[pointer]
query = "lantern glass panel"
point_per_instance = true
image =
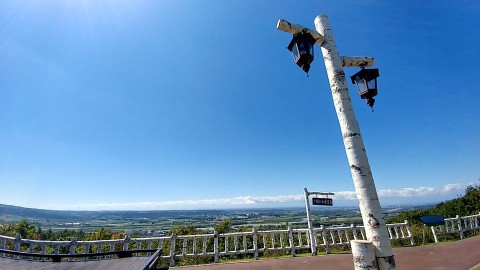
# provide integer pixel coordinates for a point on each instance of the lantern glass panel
(301, 48)
(360, 83)
(311, 48)
(372, 84)
(295, 53)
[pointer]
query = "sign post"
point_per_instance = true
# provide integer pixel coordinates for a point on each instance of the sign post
(315, 201)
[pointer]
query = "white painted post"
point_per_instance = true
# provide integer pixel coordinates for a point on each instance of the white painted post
(111, 249)
(173, 239)
(126, 241)
(363, 255)
(325, 239)
(184, 247)
(313, 242)
(434, 233)
(18, 241)
(73, 243)
(410, 234)
(370, 209)
(255, 244)
(215, 246)
(204, 246)
(30, 250)
(244, 243)
(460, 226)
(291, 241)
(354, 231)
(44, 250)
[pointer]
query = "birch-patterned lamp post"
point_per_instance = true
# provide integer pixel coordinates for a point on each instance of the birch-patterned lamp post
(375, 227)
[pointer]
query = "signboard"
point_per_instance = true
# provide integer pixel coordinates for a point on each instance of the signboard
(432, 220)
(322, 201)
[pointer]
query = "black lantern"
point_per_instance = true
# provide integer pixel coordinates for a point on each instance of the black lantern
(366, 82)
(301, 47)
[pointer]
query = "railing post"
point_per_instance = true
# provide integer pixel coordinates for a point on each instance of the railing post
(291, 241)
(434, 234)
(235, 244)
(354, 231)
(195, 252)
(44, 250)
(460, 226)
(126, 242)
(112, 248)
(4, 242)
(172, 249)
(410, 234)
(73, 243)
(57, 248)
(325, 239)
(18, 241)
(245, 242)
(100, 247)
(272, 236)
(31, 248)
(184, 246)
(255, 244)
(204, 246)
(227, 250)
(87, 250)
(477, 225)
(215, 246)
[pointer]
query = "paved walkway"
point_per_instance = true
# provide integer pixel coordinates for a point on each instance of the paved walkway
(458, 255)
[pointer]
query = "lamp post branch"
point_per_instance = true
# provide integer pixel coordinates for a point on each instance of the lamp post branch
(374, 224)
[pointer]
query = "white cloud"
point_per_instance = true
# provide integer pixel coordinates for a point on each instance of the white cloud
(346, 195)
(258, 201)
(452, 187)
(235, 201)
(406, 192)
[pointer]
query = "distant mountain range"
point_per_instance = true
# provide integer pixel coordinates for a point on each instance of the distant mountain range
(10, 212)
(31, 213)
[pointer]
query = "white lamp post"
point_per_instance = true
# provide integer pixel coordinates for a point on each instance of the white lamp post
(375, 227)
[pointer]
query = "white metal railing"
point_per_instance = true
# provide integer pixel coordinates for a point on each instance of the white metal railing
(458, 225)
(341, 236)
(213, 245)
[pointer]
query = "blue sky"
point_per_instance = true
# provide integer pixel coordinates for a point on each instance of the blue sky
(198, 104)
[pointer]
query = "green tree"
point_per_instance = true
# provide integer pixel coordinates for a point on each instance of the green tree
(99, 234)
(224, 226)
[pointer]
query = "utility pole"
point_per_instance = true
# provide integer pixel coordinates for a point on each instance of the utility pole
(375, 227)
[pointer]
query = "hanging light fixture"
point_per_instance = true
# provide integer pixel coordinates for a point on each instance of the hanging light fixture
(366, 82)
(301, 47)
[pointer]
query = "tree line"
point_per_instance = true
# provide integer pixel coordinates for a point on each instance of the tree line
(468, 204)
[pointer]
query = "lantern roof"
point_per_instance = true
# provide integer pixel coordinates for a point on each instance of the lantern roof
(300, 36)
(367, 74)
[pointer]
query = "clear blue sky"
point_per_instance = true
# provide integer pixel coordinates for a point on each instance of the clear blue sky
(198, 104)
